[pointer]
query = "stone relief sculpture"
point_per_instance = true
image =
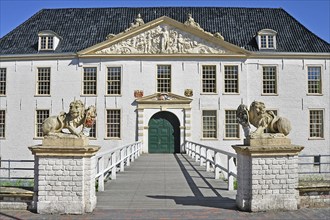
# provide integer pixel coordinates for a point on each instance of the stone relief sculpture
(163, 39)
(77, 117)
(263, 120)
(138, 21)
(191, 22)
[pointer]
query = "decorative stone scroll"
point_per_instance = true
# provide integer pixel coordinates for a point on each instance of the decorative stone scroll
(163, 39)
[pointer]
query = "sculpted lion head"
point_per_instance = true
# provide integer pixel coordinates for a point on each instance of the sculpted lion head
(257, 108)
(77, 109)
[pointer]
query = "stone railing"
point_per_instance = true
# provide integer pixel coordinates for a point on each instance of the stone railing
(220, 160)
(108, 162)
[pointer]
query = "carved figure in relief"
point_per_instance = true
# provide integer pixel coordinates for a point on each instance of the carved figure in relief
(76, 117)
(165, 39)
(263, 120)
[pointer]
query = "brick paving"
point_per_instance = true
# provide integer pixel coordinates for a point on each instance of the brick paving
(168, 186)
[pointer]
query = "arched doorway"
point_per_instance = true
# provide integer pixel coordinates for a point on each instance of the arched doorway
(164, 133)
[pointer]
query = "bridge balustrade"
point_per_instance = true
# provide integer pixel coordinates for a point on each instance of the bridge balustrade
(114, 160)
(221, 161)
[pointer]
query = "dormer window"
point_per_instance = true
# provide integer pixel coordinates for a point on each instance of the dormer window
(48, 40)
(266, 39)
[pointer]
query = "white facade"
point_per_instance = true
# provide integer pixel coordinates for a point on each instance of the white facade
(139, 72)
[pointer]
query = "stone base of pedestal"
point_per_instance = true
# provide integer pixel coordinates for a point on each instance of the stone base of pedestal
(64, 176)
(267, 175)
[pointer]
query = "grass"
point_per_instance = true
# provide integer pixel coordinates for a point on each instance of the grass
(17, 183)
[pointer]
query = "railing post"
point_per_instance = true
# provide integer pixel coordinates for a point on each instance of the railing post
(100, 168)
(230, 164)
(9, 169)
(132, 152)
(208, 159)
(198, 152)
(113, 164)
(216, 165)
(202, 155)
(128, 153)
(122, 163)
(193, 152)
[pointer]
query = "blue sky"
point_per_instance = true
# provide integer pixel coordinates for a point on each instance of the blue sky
(313, 14)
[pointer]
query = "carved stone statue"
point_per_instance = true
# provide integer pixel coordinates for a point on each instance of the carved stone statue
(138, 21)
(263, 120)
(75, 118)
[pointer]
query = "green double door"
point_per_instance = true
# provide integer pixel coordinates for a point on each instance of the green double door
(161, 136)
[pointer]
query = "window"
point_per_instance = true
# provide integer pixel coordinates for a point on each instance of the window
(269, 80)
(3, 81)
(41, 116)
(316, 124)
(314, 80)
(231, 79)
(2, 123)
(46, 43)
(317, 160)
(89, 81)
(163, 78)
(43, 81)
(92, 132)
(231, 125)
(114, 81)
(209, 82)
(266, 39)
(209, 119)
(113, 123)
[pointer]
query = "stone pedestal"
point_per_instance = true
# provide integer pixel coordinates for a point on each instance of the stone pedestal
(64, 175)
(267, 174)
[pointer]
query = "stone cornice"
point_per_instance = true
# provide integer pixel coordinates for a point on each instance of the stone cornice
(67, 151)
(289, 150)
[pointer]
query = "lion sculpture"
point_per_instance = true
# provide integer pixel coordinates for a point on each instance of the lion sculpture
(76, 117)
(262, 119)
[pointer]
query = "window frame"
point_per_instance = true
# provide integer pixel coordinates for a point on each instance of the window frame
(3, 83)
(215, 79)
(48, 44)
(225, 137)
(37, 81)
(107, 81)
(321, 80)
(276, 80)
(237, 81)
(4, 124)
(216, 132)
(157, 79)
(108, 137)
(83, 81)
(269, 43)
(36, 124)
(321, 137)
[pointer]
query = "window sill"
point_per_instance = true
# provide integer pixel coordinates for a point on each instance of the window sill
(42, 95)
(230, 93)
(112, 139)
(208, 93)
(316, 139)
(119, 95)
(92, 95)
(314, 94)
(270, 94)
(209, 139)
(231, 139)
(38, 138)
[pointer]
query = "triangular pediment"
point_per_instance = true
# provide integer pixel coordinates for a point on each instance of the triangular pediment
(164, 36)
(169, 98)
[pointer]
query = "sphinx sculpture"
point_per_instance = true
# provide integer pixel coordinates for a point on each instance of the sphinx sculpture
(263, 120)
(78, 121)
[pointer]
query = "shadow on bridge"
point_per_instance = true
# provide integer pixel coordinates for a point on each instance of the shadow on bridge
(166, 181)
(216, 201)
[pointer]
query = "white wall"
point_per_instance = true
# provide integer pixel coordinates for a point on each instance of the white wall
(292, 100)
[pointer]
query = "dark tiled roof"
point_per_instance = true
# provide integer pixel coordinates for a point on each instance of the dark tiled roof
(81, 28)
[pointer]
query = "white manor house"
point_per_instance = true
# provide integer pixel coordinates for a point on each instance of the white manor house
(163, 75)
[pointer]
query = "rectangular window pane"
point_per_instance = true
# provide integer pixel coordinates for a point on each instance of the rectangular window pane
(209, 79)
(113, 123)
(50, 42)
(89, 81)
(231, 125)
(209, 124)
(314, 80)
(164, 78)
(2, 123)
(263, 42)
(114, 81)
(231, 79)
(92, 132)
(270, 41)
(43, 42)
(41, 115)
(43, 82)
(269, 80)
(316, 124)
(3, 79)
